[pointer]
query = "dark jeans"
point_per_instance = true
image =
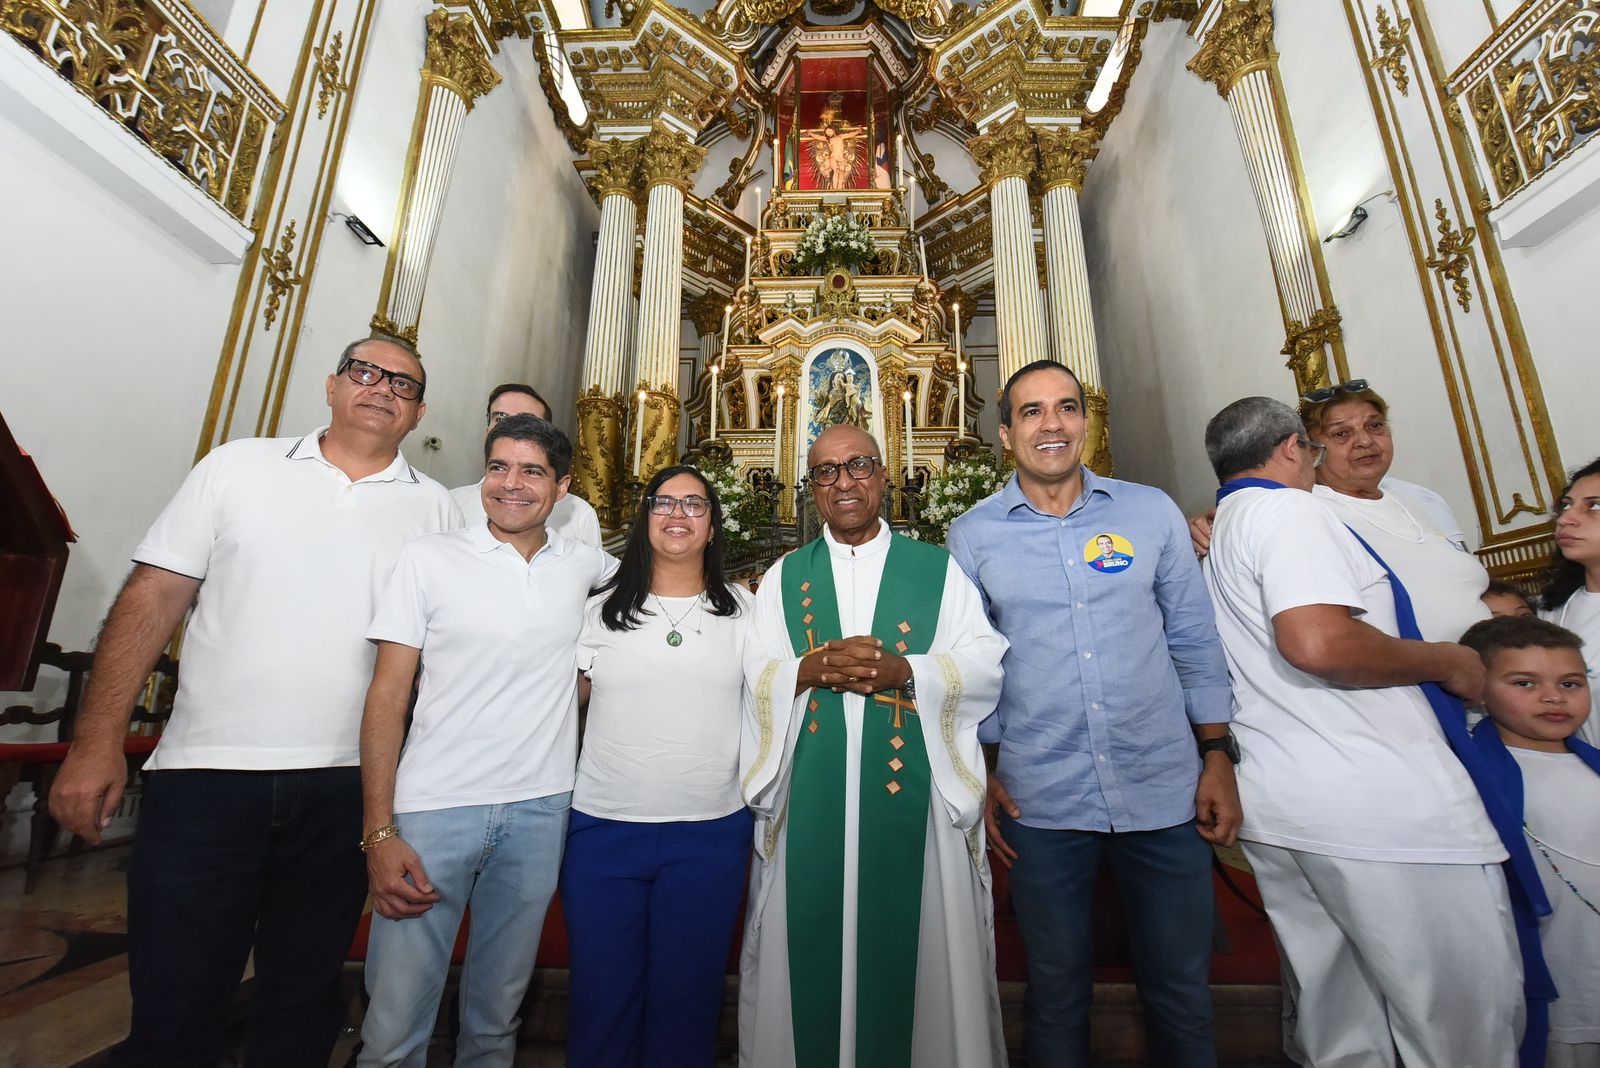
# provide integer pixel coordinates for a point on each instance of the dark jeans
(229, 861)
(1165, 881)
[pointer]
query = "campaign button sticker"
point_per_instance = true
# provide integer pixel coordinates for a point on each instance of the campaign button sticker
(1108, 553)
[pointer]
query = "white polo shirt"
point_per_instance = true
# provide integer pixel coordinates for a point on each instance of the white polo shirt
(571, 515)
(497, 708)
(291, 555)
(1363, 774)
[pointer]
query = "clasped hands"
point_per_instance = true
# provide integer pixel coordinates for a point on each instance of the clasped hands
(853, 665)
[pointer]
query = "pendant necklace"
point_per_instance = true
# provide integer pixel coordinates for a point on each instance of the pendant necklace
(674, 636)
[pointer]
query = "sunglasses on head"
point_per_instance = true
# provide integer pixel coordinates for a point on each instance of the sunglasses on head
(1327, 393)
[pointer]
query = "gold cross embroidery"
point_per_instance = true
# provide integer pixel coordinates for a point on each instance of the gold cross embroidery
(811, 642)
(899, 703)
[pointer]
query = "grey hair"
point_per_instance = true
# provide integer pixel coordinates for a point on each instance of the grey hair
(400, 343)
(530, 428)
(1242, 436)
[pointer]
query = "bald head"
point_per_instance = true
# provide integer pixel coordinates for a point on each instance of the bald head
(851, 439)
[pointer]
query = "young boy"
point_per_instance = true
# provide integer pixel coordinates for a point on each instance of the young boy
(1505, 599)
(1537, 696)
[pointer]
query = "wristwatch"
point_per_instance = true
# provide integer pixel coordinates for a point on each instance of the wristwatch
(1226, 744)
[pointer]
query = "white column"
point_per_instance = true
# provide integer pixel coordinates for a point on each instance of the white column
(1071, 309)
(1007, 157)
(605, 349)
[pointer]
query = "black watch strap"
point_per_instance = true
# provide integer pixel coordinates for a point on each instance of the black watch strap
(1226, 744)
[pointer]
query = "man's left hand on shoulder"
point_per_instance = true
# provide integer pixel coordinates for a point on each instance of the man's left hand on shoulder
(1217, 811)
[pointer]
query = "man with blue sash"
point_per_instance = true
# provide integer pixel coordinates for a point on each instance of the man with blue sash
(1376, 837)
(870, 933)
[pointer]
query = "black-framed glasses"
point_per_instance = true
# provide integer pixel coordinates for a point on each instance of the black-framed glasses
(860, 467)
(693, 507)
(1327, 393)
(370, 374)
(1319, 451)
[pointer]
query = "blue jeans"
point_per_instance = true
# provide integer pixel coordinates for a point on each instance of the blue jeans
(226, 862)
(1165, 880)
(500, 859)
(650, 911)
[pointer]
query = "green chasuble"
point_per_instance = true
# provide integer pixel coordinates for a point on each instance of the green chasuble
(892, 825)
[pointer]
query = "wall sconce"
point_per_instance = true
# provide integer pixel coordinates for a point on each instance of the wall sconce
(1355, 217)
(362, 231)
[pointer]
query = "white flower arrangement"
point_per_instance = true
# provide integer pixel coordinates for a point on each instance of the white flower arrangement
(840, 239)
(744, 512)
(952, 492)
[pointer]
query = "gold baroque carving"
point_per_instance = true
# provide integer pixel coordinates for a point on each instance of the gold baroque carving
(1391, 52)
(765, 12)
(1306, 346)
(1451, 261)
(705, 311)
(597, 451)
(329, 84)
(616, 167)
(457, 56)
(1007, 152)
(669, 156)
(934, 188)
(1239, 42)
(1097, 435)
(382, 324)
(280, 273)
(1064, 156)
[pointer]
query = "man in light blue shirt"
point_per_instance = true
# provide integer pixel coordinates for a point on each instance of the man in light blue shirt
(1115, 672)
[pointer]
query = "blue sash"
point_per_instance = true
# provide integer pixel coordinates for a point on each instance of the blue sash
(1528, 900)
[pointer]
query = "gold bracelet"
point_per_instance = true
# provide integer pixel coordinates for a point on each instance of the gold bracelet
(388, 830)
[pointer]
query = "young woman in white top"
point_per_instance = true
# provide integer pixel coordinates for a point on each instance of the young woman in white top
(1446, 583)
(659, 837)
(1572, 598)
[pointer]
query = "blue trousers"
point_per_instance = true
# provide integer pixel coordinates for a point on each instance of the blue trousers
(650, 913)
(1164, 878)
(226, 862)
(500, 859)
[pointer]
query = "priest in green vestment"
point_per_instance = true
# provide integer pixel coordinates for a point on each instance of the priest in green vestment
(870, 662)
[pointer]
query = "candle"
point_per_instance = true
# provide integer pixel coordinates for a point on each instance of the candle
(758, 207)
(777, 166)
(638, 437)
(906, 396)
(748, 243)
(961, 375)
(911, 202)
(900, 160)
(716, 397)
(922, 250)
(777, 436)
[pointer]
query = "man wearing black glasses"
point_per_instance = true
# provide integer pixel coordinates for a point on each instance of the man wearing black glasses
(252, 802)
(870, 663)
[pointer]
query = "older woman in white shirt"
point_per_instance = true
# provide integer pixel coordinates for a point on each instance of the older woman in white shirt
(659, 837)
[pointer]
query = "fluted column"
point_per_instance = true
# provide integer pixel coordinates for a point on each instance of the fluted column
(1063, 161)
(705, 312)
(1237, 56)
(1007, 158)
(456, 72)
(602, 411)
(668, 162)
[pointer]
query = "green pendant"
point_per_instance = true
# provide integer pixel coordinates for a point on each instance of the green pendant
(674, 639)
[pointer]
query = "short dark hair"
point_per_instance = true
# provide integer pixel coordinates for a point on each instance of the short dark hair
(1489, 636)
(515, 387)
(530, 428)
(1567, 577)
(1028, 369)
(1508, 589)
(1243, 435)
(410, 349)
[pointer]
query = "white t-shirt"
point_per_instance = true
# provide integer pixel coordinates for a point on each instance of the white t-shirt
(291, 555)
(497, 707)
(662, 739)
(1561, 806)
(1433, 509)
(572, 515)
(1446, 584)
(1363, 774)
(1581, 615)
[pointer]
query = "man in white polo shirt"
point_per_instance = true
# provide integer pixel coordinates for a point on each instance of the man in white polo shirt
(1377, 860)
(572, 515)
(252, 802)
(474, 810)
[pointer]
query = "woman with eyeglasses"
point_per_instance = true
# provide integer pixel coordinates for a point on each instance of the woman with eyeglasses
(1408, 525)
(659, 837)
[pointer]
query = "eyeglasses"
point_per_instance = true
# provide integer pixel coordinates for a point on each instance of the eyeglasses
(692, 507)
(370, 374)
(860, 467)
(1327, 393)
(1319, 451)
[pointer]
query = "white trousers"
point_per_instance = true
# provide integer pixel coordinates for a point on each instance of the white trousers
(1380, 958)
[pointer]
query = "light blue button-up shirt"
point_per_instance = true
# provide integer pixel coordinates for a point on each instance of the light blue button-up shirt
(1114, 654)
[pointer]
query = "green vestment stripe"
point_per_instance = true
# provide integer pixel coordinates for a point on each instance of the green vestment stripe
(892, 826)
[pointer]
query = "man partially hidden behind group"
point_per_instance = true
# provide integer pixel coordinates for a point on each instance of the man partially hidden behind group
(869, 938)
(252, 800)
